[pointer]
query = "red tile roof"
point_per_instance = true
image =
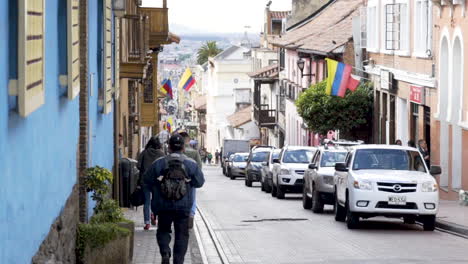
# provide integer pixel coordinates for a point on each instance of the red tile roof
(279, 14)
(241, 117)
(268, 72)
(329, 29)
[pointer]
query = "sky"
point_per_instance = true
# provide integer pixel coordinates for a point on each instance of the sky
(218, 16)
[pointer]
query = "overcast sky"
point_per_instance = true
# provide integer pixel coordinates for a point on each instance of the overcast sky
(219, 15)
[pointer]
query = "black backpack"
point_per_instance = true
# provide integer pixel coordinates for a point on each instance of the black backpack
(175, 181)
(137, 198)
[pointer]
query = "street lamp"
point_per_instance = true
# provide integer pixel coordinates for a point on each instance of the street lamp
(301, 65)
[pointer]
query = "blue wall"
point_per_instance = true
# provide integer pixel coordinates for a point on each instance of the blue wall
(38, 164)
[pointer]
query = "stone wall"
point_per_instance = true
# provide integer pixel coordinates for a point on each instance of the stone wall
(301, 9)
(59, 245)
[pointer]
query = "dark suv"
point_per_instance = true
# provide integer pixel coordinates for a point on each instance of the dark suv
(258, 155)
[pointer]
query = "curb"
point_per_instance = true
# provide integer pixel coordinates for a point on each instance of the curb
(452, 227)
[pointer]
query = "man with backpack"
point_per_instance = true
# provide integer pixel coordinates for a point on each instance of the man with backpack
(171, 180)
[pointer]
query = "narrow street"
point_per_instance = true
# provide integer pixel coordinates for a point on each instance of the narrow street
(253, 227)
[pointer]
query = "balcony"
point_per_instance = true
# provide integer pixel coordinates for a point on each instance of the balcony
(134, 47)
(158, 26)
(265, 116)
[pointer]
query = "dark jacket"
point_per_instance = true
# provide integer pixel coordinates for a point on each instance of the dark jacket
(158, 203)
(146, 158)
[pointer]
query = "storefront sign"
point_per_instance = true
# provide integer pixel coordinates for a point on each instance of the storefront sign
(417, 94)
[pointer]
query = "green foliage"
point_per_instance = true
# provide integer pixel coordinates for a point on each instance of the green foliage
(209, 49)
(323, 112)
(98, 180)
(97, 236)
(108, 211)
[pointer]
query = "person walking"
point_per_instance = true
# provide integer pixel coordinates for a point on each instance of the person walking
(411, 144)
(193, 154)
(422, 146)
(171, 180)
(210, 157)
(398, 142)
(217, 156)
(151, 153)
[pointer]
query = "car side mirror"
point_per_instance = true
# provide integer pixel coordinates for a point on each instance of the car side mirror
(435, 170)
(312, 166)
(264, 163)
(340, 166)
(276, 161)
(246, 159)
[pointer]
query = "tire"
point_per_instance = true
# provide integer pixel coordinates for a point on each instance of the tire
(231, 176)
(352, 219)
(306, 201)
(279, 192)
(248, 182)
(317, 203)
(340, 211)
(262, 186)
(409, 220)
(429, 222)
(273, 191)
(267, 187)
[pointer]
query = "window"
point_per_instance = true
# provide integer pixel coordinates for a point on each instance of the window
(298, 156)
(73, 39)
(330, 158)
(395, 21)
(117, 58)
(372, 27)
(388, 159)
(422, 27)
(107, 56)
(30, 84)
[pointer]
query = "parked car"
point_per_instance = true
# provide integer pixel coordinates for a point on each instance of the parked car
(382, 180)
(231, 146)
(238, 164)
(288, 170)
(318, 178)
(228, 164)
(257, 156)
(267, 171)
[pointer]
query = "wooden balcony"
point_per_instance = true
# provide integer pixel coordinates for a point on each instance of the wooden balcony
(158, 26)
(134, 47)
(264, 116)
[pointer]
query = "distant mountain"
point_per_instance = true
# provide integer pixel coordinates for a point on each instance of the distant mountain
(188, 33)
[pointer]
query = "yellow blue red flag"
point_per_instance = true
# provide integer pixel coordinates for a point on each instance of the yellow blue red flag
(187, 81)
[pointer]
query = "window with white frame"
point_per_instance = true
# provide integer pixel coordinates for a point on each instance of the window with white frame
(73, 39)
(107, 56)
(422, 27)
(372, 29)
(395, 26)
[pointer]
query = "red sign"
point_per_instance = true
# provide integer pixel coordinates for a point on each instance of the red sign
(417, 94)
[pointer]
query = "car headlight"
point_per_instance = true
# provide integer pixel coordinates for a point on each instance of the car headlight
(429, 186)
(285, 172)
(363, 185)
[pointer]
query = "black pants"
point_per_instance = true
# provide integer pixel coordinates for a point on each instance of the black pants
(181, 230)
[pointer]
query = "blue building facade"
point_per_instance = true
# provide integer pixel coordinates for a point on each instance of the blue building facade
(39, 146)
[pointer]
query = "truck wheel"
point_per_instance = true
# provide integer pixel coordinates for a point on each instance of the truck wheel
(429, 222)
(352, 219)
(306, 201)
(317, 203)
(340, 211)
(279, 192)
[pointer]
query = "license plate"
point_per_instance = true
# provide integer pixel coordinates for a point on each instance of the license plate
(397, 200)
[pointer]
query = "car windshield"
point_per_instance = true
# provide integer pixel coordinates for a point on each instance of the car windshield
(231, 157)
(275, 155)
(259, 156)
(239, 158)
(298, 156)
(329, 158)
(388, 159)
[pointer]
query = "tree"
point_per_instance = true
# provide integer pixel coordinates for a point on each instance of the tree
(209, 49)
(322, 112)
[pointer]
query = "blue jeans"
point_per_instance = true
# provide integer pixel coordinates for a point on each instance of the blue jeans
(146, 206)
(194, 205)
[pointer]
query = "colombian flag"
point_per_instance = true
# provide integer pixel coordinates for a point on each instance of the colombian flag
(187, 81)
(166, 87)
(340, 78)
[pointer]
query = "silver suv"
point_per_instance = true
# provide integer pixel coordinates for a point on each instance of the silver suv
(318, 178)
(267, 171)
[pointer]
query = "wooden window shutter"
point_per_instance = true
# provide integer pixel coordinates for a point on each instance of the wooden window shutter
(73, 38)
(117, 58)
(107, 56)
(30, 86)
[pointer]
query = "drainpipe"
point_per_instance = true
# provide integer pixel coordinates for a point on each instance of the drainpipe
(83, 112)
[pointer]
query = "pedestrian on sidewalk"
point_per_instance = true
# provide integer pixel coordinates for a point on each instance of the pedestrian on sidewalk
(151, 153)
(210, 157)
(217, 157)
(171, 180)
(411, 143)
(193, 154)
(422, 146)
(398, 142)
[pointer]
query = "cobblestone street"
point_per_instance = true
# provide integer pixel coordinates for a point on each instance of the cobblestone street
(253, 227)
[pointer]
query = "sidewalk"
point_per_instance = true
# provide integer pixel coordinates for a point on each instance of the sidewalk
(146, 250)
(453, 217)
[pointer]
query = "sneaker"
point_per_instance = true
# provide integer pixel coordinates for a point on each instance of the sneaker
(166, 259)
(147, 227)
(190, 221)
(153, 219)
